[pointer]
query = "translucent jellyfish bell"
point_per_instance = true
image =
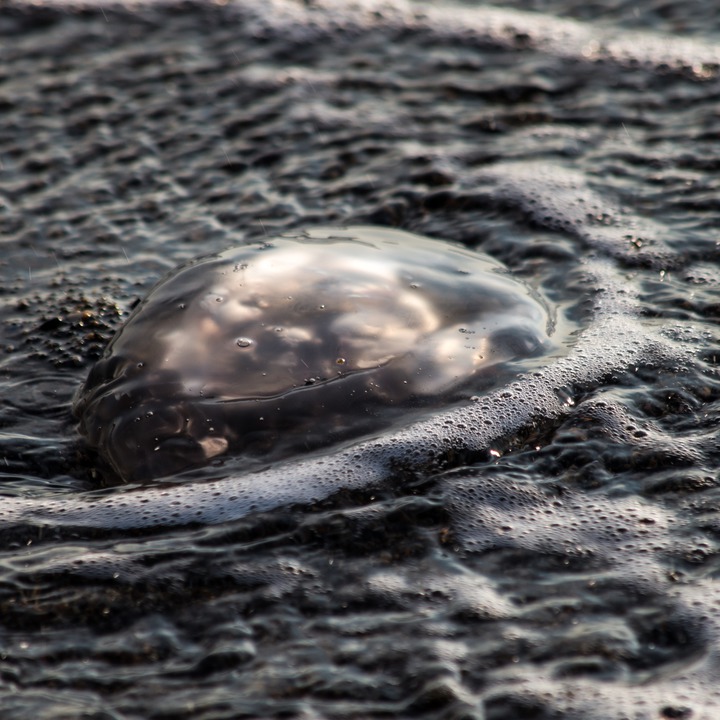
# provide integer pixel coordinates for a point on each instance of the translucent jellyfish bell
(287, 345)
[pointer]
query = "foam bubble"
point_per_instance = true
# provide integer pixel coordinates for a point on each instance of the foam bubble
(562, 37)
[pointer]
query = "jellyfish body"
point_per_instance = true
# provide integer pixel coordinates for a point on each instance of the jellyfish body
(294, 343)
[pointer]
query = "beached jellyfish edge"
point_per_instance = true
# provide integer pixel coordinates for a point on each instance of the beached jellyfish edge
(299, 342)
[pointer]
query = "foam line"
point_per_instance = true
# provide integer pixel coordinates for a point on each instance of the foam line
(480, 426)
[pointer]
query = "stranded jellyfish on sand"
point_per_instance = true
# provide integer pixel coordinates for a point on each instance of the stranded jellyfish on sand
(290, 344)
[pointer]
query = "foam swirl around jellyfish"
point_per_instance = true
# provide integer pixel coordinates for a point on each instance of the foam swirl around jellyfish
(271, 349)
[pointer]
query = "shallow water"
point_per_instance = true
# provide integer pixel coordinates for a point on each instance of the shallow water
(547, 549)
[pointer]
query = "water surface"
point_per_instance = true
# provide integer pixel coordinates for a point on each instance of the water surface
(544, 550)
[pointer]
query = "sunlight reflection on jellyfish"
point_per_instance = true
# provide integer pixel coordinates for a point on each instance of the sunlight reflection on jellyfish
(275, 348)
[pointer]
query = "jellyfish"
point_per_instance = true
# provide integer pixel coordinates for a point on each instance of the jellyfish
(300, 342)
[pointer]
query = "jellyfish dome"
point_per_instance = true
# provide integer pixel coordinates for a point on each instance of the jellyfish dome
(299, 342)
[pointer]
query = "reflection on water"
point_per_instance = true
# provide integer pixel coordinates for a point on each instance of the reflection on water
(545, 548)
